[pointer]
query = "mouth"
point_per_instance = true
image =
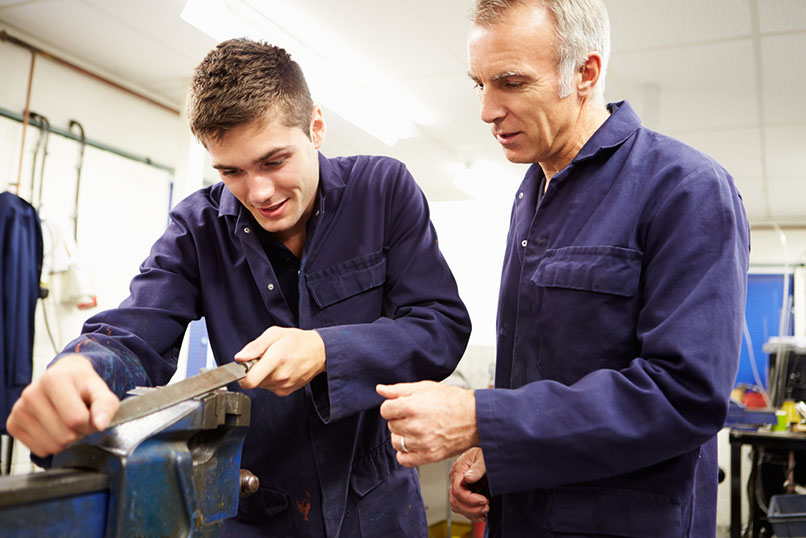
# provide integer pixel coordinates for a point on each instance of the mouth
(273, 211)
(505, 138)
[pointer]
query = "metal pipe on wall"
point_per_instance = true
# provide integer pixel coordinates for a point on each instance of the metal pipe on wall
(5, 36)
(89, 142)
(25, 118)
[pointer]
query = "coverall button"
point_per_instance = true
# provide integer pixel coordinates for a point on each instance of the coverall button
(270, 286)
(246, 229)
(520, 195)
(524, 243)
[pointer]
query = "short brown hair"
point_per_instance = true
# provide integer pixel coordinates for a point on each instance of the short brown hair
(243, 81)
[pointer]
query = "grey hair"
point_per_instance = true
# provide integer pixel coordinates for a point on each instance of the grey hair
(581, 27)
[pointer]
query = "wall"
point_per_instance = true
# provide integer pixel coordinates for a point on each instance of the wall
(123, 204)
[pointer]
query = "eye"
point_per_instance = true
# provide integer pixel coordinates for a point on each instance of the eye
(478, 86)
(229, 172)
(512, 85)
(274, 164)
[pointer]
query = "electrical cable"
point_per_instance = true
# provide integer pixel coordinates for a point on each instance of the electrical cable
(35, 158)
(47, 327)
(82, 142)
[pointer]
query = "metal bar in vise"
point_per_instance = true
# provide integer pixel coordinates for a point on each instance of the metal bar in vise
(164, 397)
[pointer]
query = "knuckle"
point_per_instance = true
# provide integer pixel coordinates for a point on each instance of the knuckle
(75, 420)
(247, 383)
(11, 426)
(65, 438)
(27, 398)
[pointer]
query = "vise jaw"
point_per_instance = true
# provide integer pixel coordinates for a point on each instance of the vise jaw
(175, 472)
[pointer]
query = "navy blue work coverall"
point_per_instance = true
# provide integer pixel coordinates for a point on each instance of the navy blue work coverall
(375, 286)
(20, 272)
(619, 327)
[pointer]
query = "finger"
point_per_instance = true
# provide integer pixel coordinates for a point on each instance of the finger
(398, 426)
(409, 459)
(259, 345)
(67, 398)
(402, 444)
(474, 512)
(400, 389)
(393, 410)
(468, 498)
(260, 372)
(25, 428)
(44, 413)
(459, 467)
(474, 515)
(460, 487)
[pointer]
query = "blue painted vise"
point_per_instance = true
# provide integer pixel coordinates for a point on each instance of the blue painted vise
(175, 472)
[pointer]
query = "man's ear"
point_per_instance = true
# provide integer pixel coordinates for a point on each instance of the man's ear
(589, 74)
(318, 127)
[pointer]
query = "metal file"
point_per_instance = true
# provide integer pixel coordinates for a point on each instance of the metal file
(168, 395)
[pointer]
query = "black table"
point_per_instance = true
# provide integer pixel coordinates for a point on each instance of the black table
(766, 439)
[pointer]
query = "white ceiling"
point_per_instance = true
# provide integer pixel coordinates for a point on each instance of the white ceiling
(726, 76)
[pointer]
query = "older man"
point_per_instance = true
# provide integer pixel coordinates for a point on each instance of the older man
(620, 306)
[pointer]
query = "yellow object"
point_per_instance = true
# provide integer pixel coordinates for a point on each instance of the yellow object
(459, 529)
(792, 416)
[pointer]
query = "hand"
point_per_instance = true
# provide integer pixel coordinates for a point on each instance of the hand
(434, 421)
(468, 469)
(69, 401)
(289, 359)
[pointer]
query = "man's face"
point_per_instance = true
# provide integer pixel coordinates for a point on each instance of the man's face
(514, 64)
(273, 170)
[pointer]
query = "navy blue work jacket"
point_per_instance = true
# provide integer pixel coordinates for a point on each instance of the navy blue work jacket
(20, 273)
(376, 287)
(619, 327)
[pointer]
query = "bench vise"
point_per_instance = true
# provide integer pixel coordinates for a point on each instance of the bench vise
(175, 472)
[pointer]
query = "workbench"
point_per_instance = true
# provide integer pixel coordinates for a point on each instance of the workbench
(783, 441)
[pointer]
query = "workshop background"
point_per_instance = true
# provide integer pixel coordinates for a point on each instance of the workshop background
(725, 76)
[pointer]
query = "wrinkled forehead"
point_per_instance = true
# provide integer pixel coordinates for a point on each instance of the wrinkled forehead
(512, 45)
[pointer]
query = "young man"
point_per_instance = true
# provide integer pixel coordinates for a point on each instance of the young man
(328, 270)
(620, 307)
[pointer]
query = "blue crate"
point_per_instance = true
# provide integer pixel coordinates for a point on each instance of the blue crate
(787, 514)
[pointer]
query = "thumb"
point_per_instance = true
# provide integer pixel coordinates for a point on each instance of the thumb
(102, 402)
(257, 347)
(471, 475)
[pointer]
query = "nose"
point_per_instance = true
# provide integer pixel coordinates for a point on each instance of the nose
(492, 109)
(261, 188)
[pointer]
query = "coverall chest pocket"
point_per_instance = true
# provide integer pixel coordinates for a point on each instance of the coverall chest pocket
(587, 308)
(350, 291)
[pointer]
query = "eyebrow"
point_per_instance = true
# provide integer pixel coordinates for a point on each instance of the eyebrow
(507, 74)
(499, 76)
(268, 155)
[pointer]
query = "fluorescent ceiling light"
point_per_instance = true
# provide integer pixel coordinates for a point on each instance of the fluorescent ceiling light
(355, 98)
